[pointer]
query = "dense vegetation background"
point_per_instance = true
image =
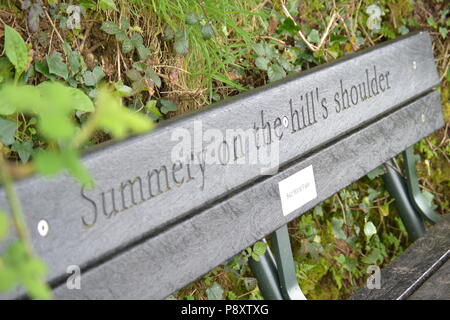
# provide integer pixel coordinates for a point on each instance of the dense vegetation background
(167, 57)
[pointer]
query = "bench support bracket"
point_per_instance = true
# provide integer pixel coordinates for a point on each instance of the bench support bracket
(395, 185)
(276, 273)
(417, 198)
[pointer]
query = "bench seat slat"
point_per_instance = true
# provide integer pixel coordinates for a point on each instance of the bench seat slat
(164, 263)
(412, 274)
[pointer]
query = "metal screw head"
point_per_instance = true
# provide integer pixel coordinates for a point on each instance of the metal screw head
(285, 122)
(414, 65)
(43, 227)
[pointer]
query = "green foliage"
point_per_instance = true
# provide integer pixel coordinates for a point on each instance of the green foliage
(51, 162)
(153, 110)
(7, 131)
(259, 249)
(23, 149)
(215, 292)
(369, 229)
(17, 266)
(117, 120)
(56, 66)
(16, 50)
(4, 222)
(181, 43)
(143, 77)
(167, 106)
(47, 113)
(108, 5)
(270, 60)
(92, 78)
(130, 37)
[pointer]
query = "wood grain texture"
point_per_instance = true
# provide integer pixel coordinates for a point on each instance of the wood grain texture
(407, 269)
(437, 287)
(59, 201)
(175, 257)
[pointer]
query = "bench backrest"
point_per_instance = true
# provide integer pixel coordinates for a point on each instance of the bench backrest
(154, 223)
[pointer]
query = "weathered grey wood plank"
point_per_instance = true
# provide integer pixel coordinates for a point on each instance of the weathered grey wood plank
(180, 254)
(398, 279)
(82, 232)
(437, 287)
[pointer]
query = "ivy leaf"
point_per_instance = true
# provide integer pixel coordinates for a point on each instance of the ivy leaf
(133, 74)
(140, 66)
(57, 66)
(191, 18)
(24, 149)
(91, 78)
(285, 64)
(168, 34)
(275, 72)
(16, 50)
(120, 36)
(336, 226)
(74, 62)
(259, 248)
(154, 77)
(73, 58)
(259, 49)
(167, 106)
(123, 90)
(110, 28)
(6, 69)
(98, 73)
(444, 32)
(4, 223)
(207, 31)
(374, 256)
(143, 52)
(378, 171)
(7, 131)
(369, 229)
(181, 44)
(42, 67)
(262, 63)
(215, 292)
(108, 4)
(137, 40)
(127, 45)
(313, 36)
(289, 26)
(403, 30)
(124, 23)
(153, 110)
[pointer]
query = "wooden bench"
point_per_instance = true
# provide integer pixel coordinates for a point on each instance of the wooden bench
(154, 224)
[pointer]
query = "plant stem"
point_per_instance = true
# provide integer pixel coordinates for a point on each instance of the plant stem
(86, 131)
(14, 203)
